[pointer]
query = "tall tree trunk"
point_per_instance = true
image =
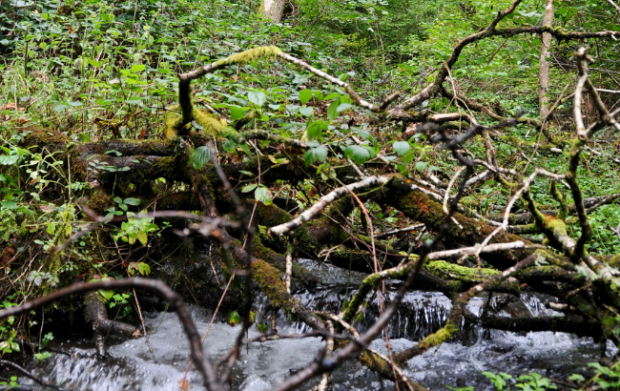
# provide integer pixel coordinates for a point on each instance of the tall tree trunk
(543, 74)
(273, 9)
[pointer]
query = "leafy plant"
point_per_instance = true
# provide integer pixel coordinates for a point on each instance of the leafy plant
(530, 382)
(608, 378)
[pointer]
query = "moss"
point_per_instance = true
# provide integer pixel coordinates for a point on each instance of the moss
(443, 269)
(555, 225)
(173, 120)
(559, 197)
(270, 215)
(278, 261)
(521, 144)
(613, 260)
(418, 206)
(212, 125)
(167, 167)
(99, 200)
(270, 280)
(438, 337)
(261, 52)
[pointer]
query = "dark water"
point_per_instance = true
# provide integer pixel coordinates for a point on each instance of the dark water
(457, 363)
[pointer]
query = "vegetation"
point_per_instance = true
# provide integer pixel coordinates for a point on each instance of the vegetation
(466, 147)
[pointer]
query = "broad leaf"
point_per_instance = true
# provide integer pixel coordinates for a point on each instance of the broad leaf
(263, 195)
(332, 110)
(359, 154)
(401, 147)
(201, 156)
(132, 201)
(305, 96)
(306, 111)
(343, 107)
(257, 97)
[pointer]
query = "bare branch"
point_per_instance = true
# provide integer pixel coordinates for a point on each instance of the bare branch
(326, 200)
(397, 231)
(617, 8)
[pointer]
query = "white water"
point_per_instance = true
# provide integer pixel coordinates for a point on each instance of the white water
(456, 363)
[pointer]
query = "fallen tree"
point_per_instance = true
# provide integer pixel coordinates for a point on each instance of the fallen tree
(260, 236)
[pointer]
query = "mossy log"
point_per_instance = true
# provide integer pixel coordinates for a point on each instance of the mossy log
(400, 194)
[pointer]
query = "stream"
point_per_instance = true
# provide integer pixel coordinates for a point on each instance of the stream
(458, 363)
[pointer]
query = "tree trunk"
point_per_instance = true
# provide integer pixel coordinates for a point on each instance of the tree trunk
(543, 74)
(274, 9)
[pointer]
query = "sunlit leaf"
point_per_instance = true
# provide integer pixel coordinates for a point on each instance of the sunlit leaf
(234, 318)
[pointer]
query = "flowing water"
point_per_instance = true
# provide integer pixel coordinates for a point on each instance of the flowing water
(459, 363)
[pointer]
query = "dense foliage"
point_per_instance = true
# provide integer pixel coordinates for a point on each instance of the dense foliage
(91, 71)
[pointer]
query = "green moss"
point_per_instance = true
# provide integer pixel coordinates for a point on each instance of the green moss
(213, 125)
(278, 261)
(555, 225)
(99, 200)
(166, 167)
(261, 52)
(438, 337)
(613, 260)
(446, 270)
(270, 215)
(559, 197)
(270, 280)
(174, 120)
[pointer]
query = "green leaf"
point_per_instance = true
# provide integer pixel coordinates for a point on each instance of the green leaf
(143, 238)
(421, 166)
(315, 129)
(107, 294)
(576, 377)
(137, 68)
(234, 318)
(257, 97)
(236, 112)
(264, 195)
(132, 201)
(343, 107)
(358, 154)
(10, 205)
(305, 96)
(249, 188)
(333, 95)
(60, 108)
(144, 269)
(332, 110)
(201, 156)
(306, 111)
(263, 328)
(318, 154)
(401, 147)
(8, 160)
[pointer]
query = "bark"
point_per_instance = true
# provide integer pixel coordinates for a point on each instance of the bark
(102, 326)
(543, 74)
(415, 204)
(274, 9)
